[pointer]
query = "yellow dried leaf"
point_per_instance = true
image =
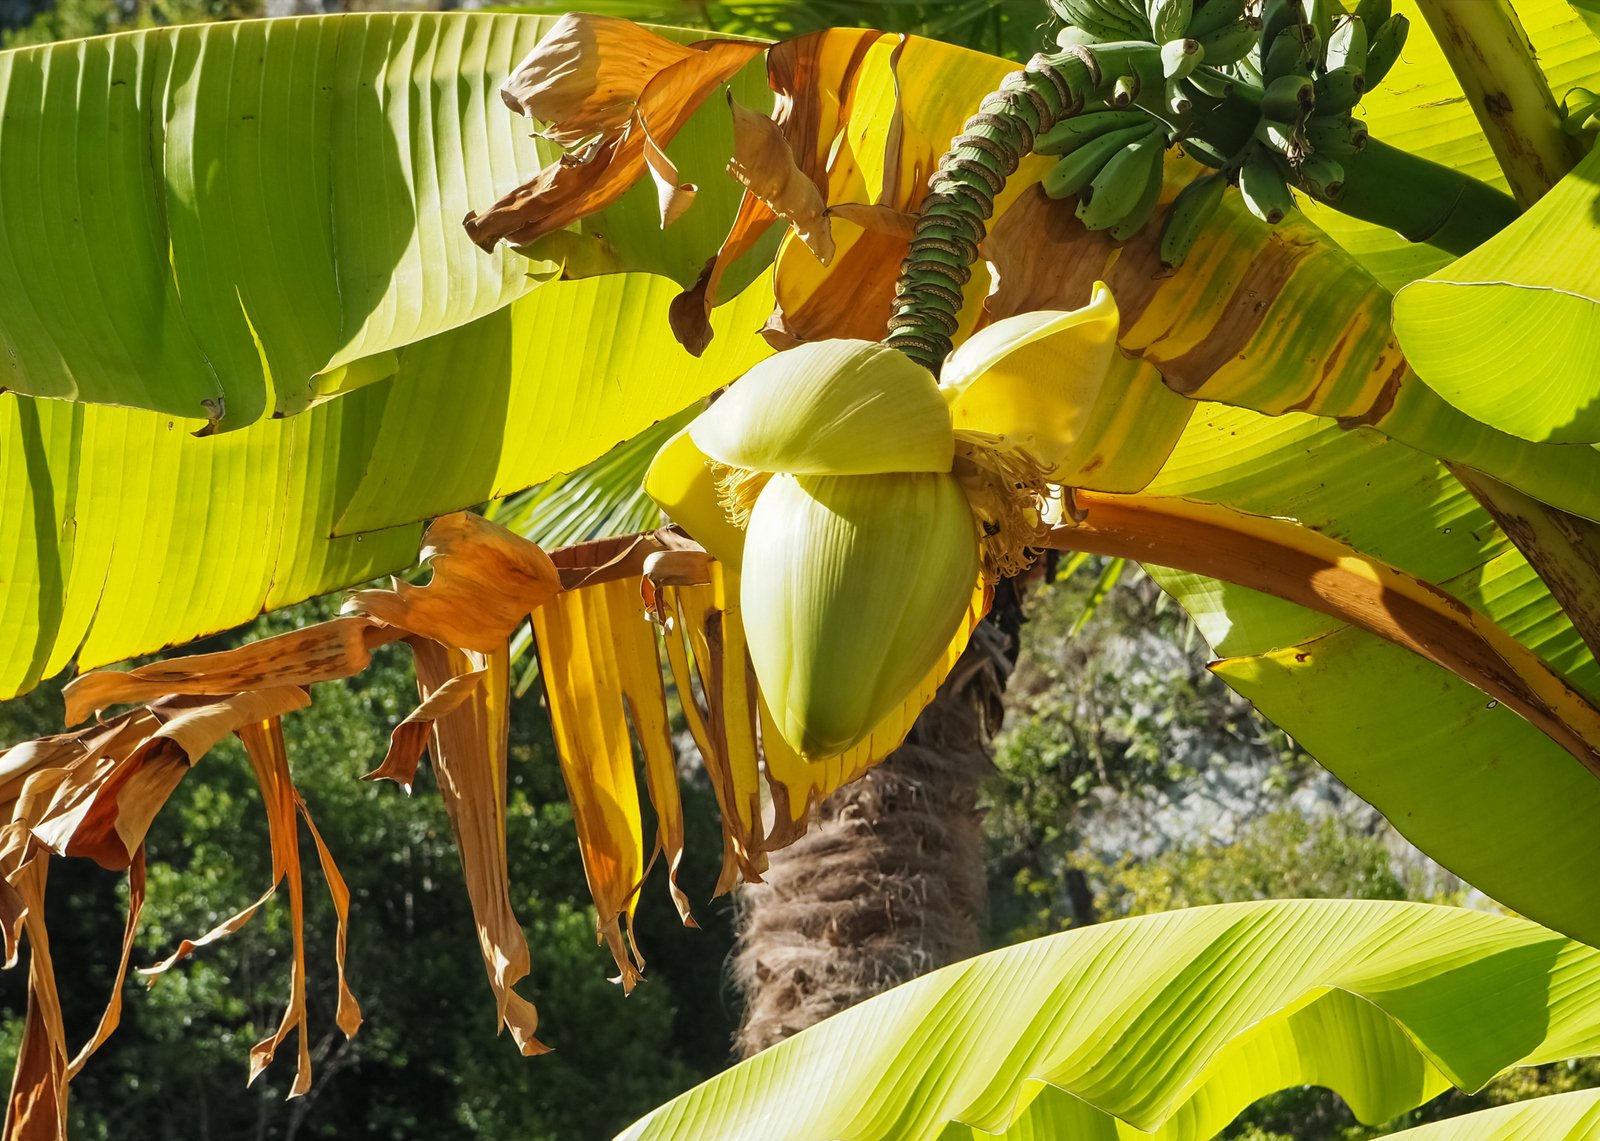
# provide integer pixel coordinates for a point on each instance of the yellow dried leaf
(577, 633)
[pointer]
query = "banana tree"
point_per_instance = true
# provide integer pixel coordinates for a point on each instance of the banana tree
(279, 198)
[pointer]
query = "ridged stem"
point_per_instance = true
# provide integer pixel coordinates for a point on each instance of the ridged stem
(1495, 65)
(1421, 200)
(960, 200)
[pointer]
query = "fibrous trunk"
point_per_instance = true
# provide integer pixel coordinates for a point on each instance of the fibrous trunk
(888, 882)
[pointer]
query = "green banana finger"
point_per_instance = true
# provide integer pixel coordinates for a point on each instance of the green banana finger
(1205, 151)
(1075, 171)
(1115, 191)
(1212, 16)
(1320, 14)
(1144, 206)
(1214, 83)
(1336, 136)
(1374, 12)
(1169, 19)
(1231, 43)
(1188, 215)
(1347, 46)
(1340, 90)
(1125, 91)
(1070, 134)
(1383, 48)
(1278, 16)
(1091, 18)
(1288, 98)
(1286, 54)
(1281, 137)
(1265, 193)
(1179, 101)
(1180, 57)
(1322, 176)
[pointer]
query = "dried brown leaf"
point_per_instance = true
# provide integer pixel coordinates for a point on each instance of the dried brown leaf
(469, 760)
(586, 75)
(486, 580)
(329, 650)
(581, 183)
(765, 165)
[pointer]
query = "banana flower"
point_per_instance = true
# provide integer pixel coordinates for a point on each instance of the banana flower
(860, 500)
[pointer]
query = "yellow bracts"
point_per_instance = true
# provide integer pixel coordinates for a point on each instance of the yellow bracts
(859, 499)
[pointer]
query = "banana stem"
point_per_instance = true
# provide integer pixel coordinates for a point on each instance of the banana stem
(973, 172)
(1494, 63)
(1423, 201)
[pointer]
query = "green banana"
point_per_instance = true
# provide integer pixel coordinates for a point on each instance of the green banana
(1340, 90)
(1383, 48)
(1281, 137)
(1205, 151)
(1374, 12)
(1277, 16)
(1076, 170)
(1322, 176)
(1263, 188)
(1125, 91)
(1094, 19)
(1212, 16)
(1169, 19)
(1288, 98)
(1336, 136)
(1115, 191)
(1231, 43)
(1179, 101)
(1070, 134)
(1347, 46)
(1213, 83)
(1180, 57)
(1286, 55)
(1320, 15)
(1188, 215)
(1144, 206)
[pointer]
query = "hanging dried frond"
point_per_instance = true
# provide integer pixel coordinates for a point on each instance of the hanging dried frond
(613, 621)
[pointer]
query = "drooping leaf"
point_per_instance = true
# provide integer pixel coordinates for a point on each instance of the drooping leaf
(1169, 1023)
(1422, 745)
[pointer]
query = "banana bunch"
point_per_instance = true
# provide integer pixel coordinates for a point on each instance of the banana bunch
(1308, 67)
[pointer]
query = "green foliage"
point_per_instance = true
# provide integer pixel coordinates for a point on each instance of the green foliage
(426, 1062)
(73, 19)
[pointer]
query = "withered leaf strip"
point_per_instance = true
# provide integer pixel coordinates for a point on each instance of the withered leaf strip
(622, 92)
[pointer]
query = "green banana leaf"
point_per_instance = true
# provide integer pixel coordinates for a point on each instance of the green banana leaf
(1510, 332)
(124, 532)
(1169, 1024)
(221, 221)
(1564, 1117)
(1470, 782)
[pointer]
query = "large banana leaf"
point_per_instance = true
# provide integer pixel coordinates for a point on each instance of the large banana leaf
(124, 532)
(213, 221)
(1427, 748)
(1169, 1024)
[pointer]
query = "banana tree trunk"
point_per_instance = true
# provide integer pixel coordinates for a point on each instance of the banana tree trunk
(888, 883)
